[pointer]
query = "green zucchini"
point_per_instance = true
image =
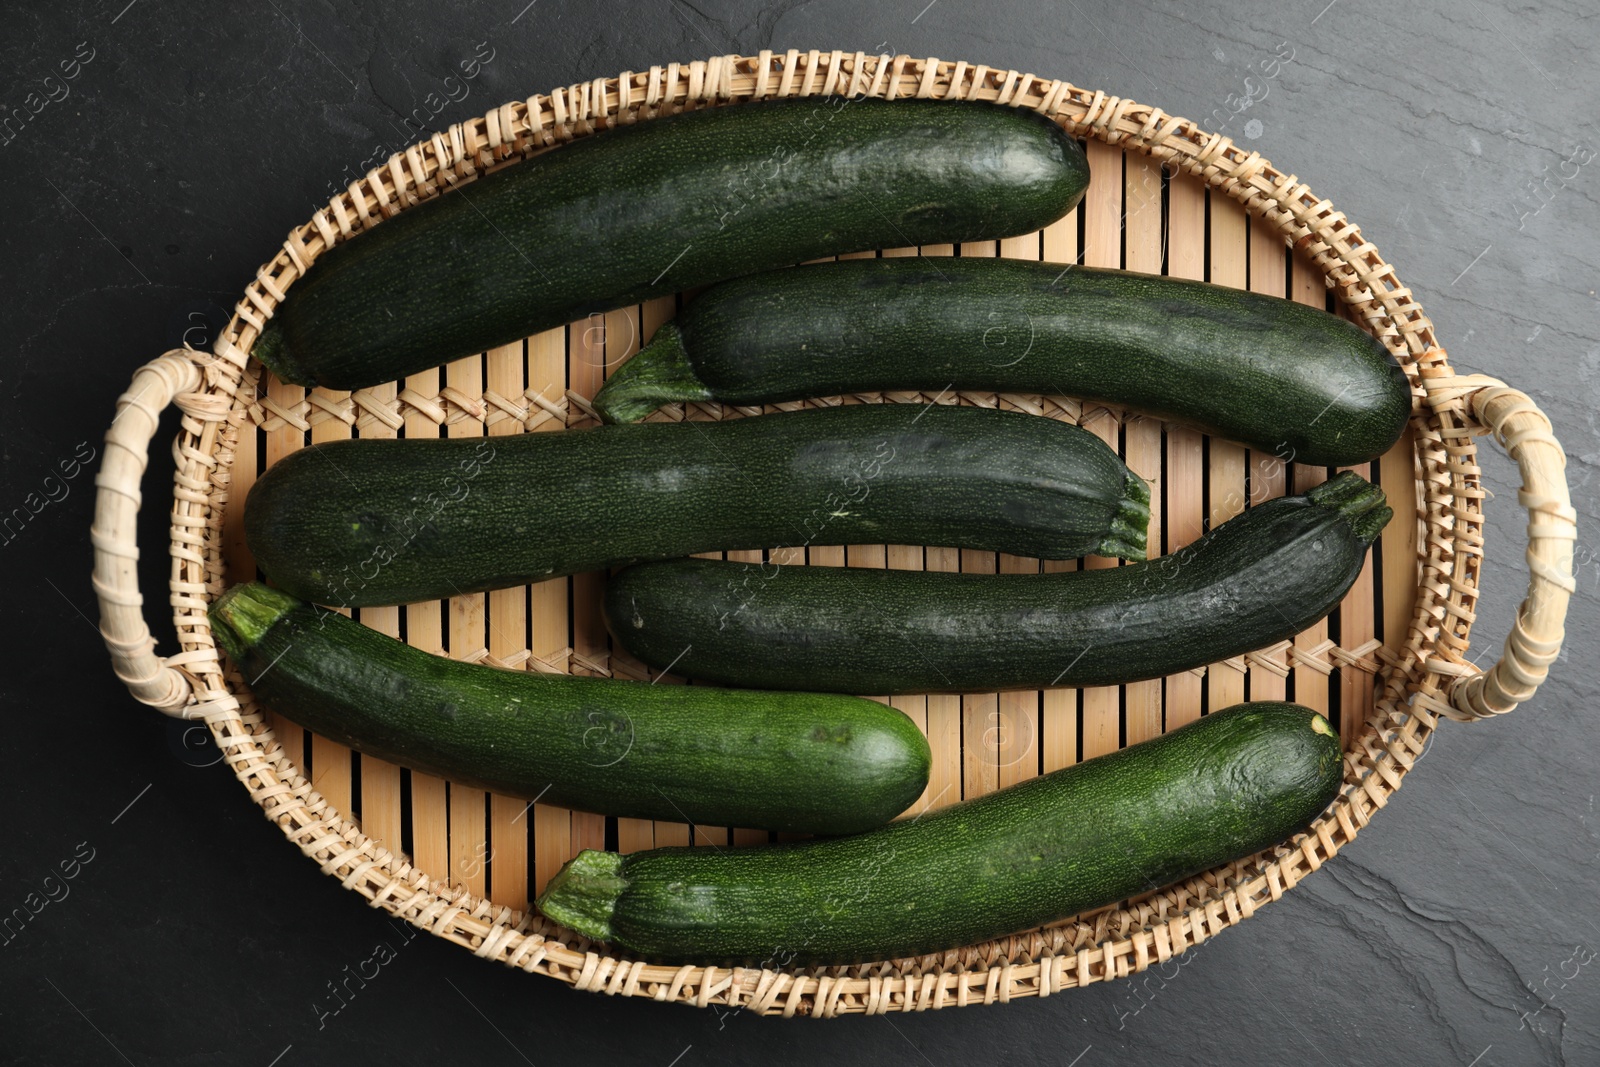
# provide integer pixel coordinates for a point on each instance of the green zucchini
(1219, 789)
(782, 761)
(1257, 579)
(362, 522)
(1274, 374)
(660, 206)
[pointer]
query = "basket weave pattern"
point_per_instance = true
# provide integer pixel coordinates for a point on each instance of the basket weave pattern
(1417, 680)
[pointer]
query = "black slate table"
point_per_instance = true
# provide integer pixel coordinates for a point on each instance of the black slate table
(174, 144)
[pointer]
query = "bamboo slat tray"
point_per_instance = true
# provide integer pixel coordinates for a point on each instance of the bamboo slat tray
(1165, 196)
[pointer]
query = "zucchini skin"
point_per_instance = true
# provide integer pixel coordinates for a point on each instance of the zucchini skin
(354, 523)
(659, 206)
(1218, 789)
(1274, 374)
(1254, 580)
(778, 761)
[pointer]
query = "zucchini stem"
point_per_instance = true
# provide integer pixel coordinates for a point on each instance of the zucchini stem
(660, 373)
(1128, 537)
(584, 893)
(1363, 504)
(243, 615)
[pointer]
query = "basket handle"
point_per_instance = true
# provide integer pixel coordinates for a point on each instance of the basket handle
(1535, 640)
(150, 678)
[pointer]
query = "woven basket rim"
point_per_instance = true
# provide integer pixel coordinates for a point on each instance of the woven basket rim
(1413, 684)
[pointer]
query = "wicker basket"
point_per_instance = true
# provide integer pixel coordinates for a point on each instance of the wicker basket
(1387, 665)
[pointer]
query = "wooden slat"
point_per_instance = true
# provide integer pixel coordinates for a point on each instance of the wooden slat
(1141, 435)
(825, 555)
(1058, 707)
(1184, 509)
(1102, 207)
(875, 556)
(1017, 712)
(280, 443)
(635, 835)
(1025, 246)
(1016, 739)
(469, 844)
(1102, 247)
(787, 556)
(1059, 240)
(1268, 467)
(980, 712)
(547, 612)
(505, 374)
(430, 826)
(330, 761)
(1310, 685)
(944, 738)
(508, 842)
(588, 354)
(1229, 255)
(380, 779)
(552, 832)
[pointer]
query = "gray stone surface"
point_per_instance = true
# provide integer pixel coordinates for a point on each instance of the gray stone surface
(1459, 929)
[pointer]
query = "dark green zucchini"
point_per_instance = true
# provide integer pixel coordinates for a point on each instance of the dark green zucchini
(1225, 787)
(384, 522)
(1274, 374)
(1254, 580)
(659, 206)
(782, 761)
